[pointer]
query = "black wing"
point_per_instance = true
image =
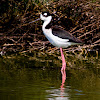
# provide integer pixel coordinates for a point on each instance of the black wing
(57, 31)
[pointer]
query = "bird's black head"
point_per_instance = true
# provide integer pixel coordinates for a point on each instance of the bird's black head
(46, 14)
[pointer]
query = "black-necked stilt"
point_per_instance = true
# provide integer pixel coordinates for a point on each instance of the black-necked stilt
(57, 36)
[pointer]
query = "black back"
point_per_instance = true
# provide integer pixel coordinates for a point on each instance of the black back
(57, 31)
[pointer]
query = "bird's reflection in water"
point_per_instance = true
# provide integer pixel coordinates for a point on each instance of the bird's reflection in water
(63, 72)
(60, 93)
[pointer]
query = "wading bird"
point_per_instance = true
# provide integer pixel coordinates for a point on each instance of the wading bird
(57, 36)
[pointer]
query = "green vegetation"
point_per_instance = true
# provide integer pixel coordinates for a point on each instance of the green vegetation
(51, 60)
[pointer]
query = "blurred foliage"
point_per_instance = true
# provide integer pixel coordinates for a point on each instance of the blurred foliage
(79, 17)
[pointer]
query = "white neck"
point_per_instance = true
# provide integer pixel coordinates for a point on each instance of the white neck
(46, 22)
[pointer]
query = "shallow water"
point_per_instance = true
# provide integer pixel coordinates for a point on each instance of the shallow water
(49, 83)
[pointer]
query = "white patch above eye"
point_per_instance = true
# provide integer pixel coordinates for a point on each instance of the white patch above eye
(45, 14)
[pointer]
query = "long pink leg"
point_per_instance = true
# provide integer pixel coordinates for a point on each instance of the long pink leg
(63, 60)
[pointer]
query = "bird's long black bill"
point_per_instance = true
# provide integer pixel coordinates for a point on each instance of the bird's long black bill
(34, 21)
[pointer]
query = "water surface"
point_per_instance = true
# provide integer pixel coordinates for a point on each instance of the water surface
(48, 83)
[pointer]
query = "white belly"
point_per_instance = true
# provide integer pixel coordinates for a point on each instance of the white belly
(56, 41)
